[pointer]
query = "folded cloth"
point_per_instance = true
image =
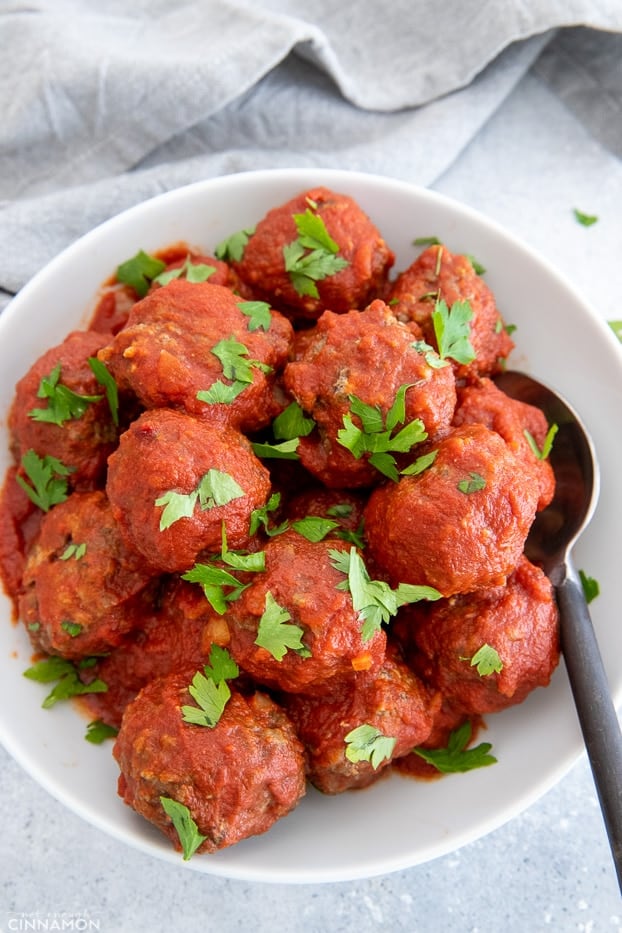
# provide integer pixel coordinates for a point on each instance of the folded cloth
(107, 103)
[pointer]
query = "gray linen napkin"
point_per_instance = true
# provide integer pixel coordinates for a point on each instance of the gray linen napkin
(104, 104)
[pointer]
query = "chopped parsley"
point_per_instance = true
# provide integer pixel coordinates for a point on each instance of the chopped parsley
(210, 689)
(219, 585)
(233, 246)
(292, 423)
(258, 313)
(98, 731)
(420, 464)
(313, 255)
(187, 830)
(591, 586)
(77, 551)
(48, 479)
(236, 366)
(67, 676)
(191, 271)
(616, 327)
(426, 241)
(586, 220)
(314, 527)
(366, 743)
(106, 381)
(285, 450)
(276, 633)
(452, 329)
(478, 268)
(72, 628)
(543, 453)
(139, 272)
(63, 404)
(376, 437)
(374, 600)
(456, 757)
(260, 517)
(215, 488)
(474, 483)
(487, 661)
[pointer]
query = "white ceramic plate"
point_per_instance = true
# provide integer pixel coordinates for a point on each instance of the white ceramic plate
(399, 822)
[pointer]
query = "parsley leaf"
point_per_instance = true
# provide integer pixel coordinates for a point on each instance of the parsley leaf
(63, 403)
(474, 483)
(376, 438)
(139, 271)
(67, 674)
(292, 423)
(312, 256)
(548, 442)
(616, 327)
(285, 450)
(98, 731)
(77, 551)
(214, 488)
(478, 268)
(276, 634)
(366, 743)
(235, 366)
(48, 484)
(452, 330)
(106, 381)
(260, 517)
(258, 314)
(586, 220)
(191, 271)
(187, 830)
(233, 246)
(72, 628)
(457, 757)
(487, 661)
(216, 580)
(591, 586)
(426, 241)
(420, 464)
(210, 689)
(374, 600)
(314, 527)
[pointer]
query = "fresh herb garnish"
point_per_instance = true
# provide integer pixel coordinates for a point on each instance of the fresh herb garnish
(72, 628)
(292, 423)
(233, 246)
(77, 551)
(139, 271)
(48, 479)
(420, 464)
(63, 404)
(375, 437)
(210, 689)
(452, 330)
(191, 271)
(67, 674)
(487, 661)
(285, 450)
(374, 600)
(258, 314)
(543, 453)
(478, 268)
(219, 585)
(214, 488)
(591, 586)
(474, 483)
(187, 830)
(313, 255)
(277, 634)
(106, 381)
(236, 366)
(98, 731)
(426, 241)
(457, 757)
(260, 517)
(366, 743)
(616, 327)
(586, 220)
(314, 527)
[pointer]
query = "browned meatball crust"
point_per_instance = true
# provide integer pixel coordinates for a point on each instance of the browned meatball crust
(460, 524)
(81, 582)
(187, 338)
(236, 778)
(359, 245)
(174, 480)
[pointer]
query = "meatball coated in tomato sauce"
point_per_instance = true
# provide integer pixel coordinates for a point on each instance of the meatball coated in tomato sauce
(519, 621)
(175, 633)
(362, 253)
(301, 580)
(174, 480)
(393, 701)
(439, 274)
(81, 434)
(187, 338)
(371, 356)
(484, 403)
(82, 585)
(236, 778)
(461, 523)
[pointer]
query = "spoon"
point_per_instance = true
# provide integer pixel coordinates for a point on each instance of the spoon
(552, 536)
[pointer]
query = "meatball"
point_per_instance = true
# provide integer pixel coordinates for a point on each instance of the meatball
(174, 480)
(175, 633)
(519, 621)
(368, 355)
(302, 590)
(276, 261)
(81, 584)
(393, 701)
(484, 403)
(439, 274)
(236, 779)
(461, 523)
(186, 339)
(46, 416)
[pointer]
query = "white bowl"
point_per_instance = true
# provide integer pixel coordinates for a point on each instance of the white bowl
(399, 822)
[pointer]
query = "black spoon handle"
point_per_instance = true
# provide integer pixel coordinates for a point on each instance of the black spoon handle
(595, 709)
